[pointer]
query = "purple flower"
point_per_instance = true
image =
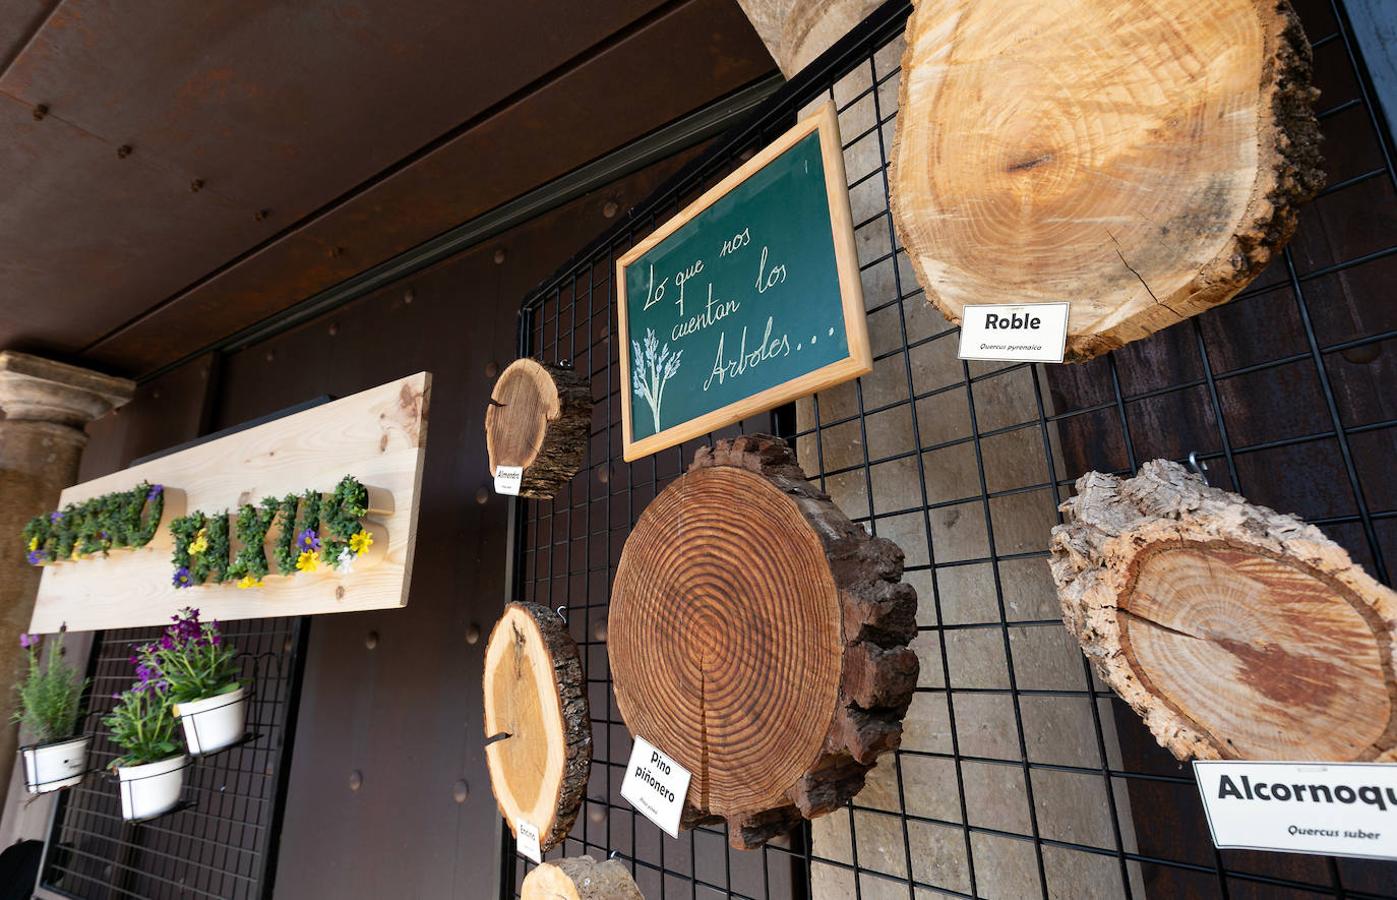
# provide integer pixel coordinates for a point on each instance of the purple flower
(181, 579)
(309, 540)
(35, 557)
(155, 491)
(167, 643)
(55, 516)
(145, 673)
(27, 640)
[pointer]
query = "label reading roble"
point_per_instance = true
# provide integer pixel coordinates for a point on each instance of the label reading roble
(507, 479)
(528, 841)
(656, 785)
(1028, 332)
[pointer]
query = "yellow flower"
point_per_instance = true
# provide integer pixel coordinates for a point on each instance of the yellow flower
(247, 581)
(34, 543)
(308, 561)
(200, 542)
(361, 542)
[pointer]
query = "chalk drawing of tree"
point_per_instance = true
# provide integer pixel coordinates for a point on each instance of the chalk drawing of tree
(650, 371)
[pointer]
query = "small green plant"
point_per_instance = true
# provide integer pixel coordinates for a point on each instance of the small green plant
(50, 694)
(119, 519)
(143, 725)
(191, 661)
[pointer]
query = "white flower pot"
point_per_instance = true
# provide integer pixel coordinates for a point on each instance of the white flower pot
(151, 789)
(214, 722)
(58, 764)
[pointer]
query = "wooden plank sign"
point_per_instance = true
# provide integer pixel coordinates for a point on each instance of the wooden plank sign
(378, 436)
(747, 299)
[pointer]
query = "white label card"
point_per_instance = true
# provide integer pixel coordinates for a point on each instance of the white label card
(528, 841)
(1337, 809)
(507, 479)
(1028, 332)
(656, 785)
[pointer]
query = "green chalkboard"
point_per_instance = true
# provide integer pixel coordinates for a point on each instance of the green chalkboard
(747, 299)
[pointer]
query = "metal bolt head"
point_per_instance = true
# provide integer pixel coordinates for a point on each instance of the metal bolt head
(499, 256)
(270, 355)
(356, 780)
(41, 112)
(123, 151)
(196, 185)
(492, 369)
(599, 631)
(460, 791)
(473, 634)
(408, 295)
(610, 209)
(261, 214)
(482, 495)
(333, 330)
(371, 640)
(596, 814)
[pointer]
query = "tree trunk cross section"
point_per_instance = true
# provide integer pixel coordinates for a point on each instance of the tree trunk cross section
(760, 638)
(1234, 631)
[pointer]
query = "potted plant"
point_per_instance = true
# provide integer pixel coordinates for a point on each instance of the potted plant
(201, 671)
(48, 711)
(151, 771)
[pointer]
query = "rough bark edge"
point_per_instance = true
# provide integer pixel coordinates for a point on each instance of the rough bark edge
(577, 724)
(592, 880)
(1165, 503)
(879, 671)
(565, 435)
(1290, 140)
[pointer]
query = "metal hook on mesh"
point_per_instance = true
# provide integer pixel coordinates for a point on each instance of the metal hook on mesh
(615, 854)
(1197, 466)
(562, 612)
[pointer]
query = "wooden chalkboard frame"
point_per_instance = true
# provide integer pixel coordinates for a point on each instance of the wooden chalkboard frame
(859, 360)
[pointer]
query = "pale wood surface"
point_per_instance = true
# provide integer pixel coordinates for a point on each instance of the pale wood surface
(1235, 632)
(797, 31)
(580, 878)
(378, 435)
(759, 638)
(860, 359)
(1141, 160)
(536, 700)
(538, 419)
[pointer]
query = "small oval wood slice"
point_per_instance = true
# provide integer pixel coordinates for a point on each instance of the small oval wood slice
(538, 420)
(580, 878)
(1142, 159)
(535, 697)
(760, 638)
(1236, 632)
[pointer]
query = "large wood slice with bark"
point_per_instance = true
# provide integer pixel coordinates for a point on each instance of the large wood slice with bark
(580, 878)
(1142, 159)
(797, 31)
(760, 638)
(537, 726)
(538, 420)
(1234, 631)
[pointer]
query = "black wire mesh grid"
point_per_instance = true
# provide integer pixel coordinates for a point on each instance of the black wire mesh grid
(220, 841)
(982, 800)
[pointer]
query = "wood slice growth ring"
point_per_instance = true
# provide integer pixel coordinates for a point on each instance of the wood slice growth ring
(580, 878)
(760, 638)
(1142, 159)
(1234, 631)
(537, 726)
(538, 419)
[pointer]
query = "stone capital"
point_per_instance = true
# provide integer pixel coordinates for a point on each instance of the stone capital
(36, 389)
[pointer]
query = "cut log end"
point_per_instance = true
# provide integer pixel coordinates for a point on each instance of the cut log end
(760, 638)
(1235, 632)
(537, 420)
(1200, 150)
(580, 878)
(537, 724)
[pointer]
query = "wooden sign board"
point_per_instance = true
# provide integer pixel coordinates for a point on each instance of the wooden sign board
(747, 299)
(378, 436)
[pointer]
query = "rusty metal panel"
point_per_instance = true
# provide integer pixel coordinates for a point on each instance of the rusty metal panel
(698, 51)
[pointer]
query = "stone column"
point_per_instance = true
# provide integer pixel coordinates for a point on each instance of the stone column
(46, 406)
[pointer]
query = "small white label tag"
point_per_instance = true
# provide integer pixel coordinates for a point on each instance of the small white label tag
(1028, 332)
(1337, 809)
(507, 479)
(656, 785)
(528, 841)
